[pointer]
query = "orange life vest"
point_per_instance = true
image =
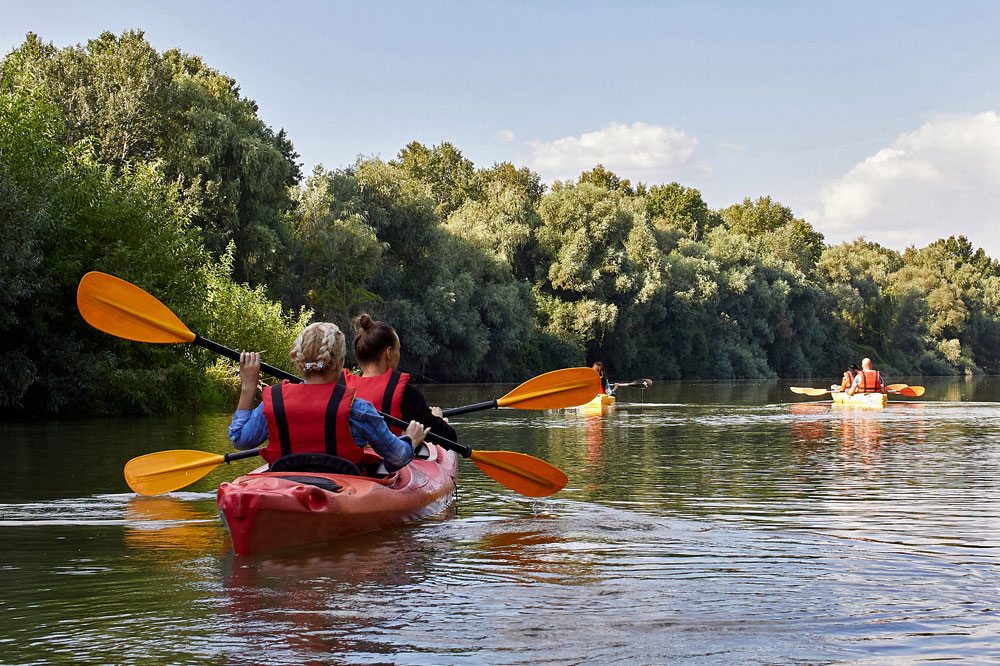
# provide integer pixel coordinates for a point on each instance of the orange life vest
(309, 418)
(871, 381)
(385, 391)
(847, 381)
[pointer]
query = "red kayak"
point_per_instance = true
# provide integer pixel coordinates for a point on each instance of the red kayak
(268, 511)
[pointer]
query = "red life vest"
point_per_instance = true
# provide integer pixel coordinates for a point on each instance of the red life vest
(309, 418)
(871, 381)
(385, 391)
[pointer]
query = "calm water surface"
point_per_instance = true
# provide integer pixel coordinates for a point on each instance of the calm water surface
(704, 523)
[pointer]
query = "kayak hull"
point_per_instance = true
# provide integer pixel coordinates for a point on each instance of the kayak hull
(868, 400)
(600, 404)
(269, 511)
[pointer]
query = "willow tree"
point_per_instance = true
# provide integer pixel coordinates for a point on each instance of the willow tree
(958, 288)
(589, 278)
(859, 277)
(134, 106)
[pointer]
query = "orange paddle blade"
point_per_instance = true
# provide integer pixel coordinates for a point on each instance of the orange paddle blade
(520, 472)
(122, 309)
(896, 387)
(165, 471)
(568, 387)
(912, 391)
(809, 391)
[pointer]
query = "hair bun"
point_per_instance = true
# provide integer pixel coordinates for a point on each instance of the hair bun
(364, 321)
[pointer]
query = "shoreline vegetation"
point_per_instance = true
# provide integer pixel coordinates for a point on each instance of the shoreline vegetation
(153, 167)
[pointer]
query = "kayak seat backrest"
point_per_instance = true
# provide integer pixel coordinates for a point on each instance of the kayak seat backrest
(318, 481)
(314, 462)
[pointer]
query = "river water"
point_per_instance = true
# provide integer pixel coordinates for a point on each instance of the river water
(703, 523)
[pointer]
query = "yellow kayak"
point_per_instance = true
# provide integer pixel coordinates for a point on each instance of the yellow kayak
(599, 404)
(870, 400)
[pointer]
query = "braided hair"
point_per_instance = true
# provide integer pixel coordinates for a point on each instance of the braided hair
(318, 347)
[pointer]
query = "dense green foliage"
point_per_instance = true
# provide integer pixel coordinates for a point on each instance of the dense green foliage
(151, 166)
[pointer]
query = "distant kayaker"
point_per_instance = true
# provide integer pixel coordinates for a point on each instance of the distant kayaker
(867, 380)
(376, 349)
(849, 376)
(609, 388)
(321, 415)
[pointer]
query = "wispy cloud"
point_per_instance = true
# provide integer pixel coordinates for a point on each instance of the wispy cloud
(505, 136)
(639, 151)
(941, 180)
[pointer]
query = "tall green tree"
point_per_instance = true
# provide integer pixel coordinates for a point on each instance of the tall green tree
(136, 106)
(451, 177)
(674, 206)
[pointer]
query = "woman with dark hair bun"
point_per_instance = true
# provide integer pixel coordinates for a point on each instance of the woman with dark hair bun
(376, 349)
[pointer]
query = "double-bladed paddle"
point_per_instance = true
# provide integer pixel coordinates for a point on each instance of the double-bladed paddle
(644, 383)
(568, 387)
(901, 389)
(809, 391)
(122, 309)
(166, 471)
(906, 389)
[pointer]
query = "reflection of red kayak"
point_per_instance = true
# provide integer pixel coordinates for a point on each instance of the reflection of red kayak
(269, 511)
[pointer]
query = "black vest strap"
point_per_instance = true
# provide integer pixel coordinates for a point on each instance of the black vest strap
(281, 419)
(390, 388)
(330, 425)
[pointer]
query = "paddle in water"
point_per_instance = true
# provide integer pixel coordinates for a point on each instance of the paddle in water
(122, 309)
(643, 383)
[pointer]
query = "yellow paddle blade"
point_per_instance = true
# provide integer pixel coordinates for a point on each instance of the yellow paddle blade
(809, 391)
(568, 387)
(896, 387)
(520, 472)
(122, 309)
(164, 471)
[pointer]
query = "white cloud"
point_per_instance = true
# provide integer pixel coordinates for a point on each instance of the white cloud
(505, 136)
(640, 151)
(941, 180)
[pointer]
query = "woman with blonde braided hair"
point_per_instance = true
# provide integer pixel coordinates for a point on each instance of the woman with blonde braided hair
(319, 417)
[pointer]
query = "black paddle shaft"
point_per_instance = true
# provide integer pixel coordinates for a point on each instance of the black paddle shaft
(489, 404)
(235, 355)
(461, 449)
(240, 455)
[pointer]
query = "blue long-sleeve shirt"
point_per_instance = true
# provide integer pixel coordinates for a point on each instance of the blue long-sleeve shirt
(249, 429)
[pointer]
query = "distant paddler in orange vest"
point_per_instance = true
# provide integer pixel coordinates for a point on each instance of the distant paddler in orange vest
(868, 380)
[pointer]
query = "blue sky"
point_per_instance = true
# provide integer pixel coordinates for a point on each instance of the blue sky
(866, 118)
